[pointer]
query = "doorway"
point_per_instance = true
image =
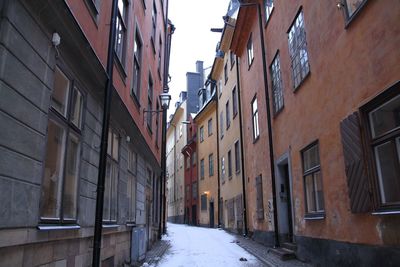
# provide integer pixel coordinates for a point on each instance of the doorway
(194, 215)
(211, 214)
(284, 202)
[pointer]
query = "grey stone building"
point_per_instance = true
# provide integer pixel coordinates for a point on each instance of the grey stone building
(51, 117)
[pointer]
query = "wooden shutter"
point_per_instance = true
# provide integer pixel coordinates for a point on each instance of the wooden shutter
(260, 205)
(357, 179)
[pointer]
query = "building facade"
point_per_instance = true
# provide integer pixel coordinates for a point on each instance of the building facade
(191, 182)
(331, 80)
(207, 164)
(54, 56)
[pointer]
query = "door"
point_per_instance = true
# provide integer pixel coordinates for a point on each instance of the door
(288, 201)
(194, 215)
(211, 214)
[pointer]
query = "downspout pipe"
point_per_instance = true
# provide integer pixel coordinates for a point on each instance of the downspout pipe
(104, 139)
(219, 205)
(241, 149)
(270, 139)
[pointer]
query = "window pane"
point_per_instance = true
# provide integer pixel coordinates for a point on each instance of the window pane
(388, 171)
(53, 171)
(109, 142)
(319, 196)
(115, 146)
(386, 117)
(107, 192)
(310, 193)
(71, 178)
(77, 105)
(114, 188)
(311, 158)
(59, 98)
(121, 7)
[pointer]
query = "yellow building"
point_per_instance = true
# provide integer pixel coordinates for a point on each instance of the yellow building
(232, 194)
(206, 121)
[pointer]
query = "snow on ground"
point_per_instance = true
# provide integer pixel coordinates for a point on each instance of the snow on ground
(197, 246)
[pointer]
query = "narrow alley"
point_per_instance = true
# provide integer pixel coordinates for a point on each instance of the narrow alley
(186, 245)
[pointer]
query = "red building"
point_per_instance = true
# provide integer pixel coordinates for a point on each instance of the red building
(191, 185)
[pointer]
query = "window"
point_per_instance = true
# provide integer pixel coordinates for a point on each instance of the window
(180, 130)
(154, 23)
(228, 115)
(352, 6)
(232, 58)
(250, 51)
(234, 102)
(221, 123)
(298, 50)
(237, 157)
(194, 190)
(157, 126)
(159, 58)
(312, 180)
(254, 111)
(383, 119)
(229, 164)
(223, 168)
(201, 134)
(61, 170)
(210, 129)
(277, 88)
(268, 6)
(211, 165)
(226, 72)
(150, 103)
(204, 202)
(259, 198)
(131, 190)
(121, 29)
(137, 61)
(111, 178)
(202, 168)
(94, 8)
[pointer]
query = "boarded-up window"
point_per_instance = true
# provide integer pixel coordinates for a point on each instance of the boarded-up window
(231, 210)
(259, 200)
(357, 180)
(239, 211)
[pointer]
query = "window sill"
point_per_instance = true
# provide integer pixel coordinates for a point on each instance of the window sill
(110, 226)
(58, 227)
(135, 100)
(350, 19)
(234, 115)
(386, 212)
(269, 18)
(295, 89)
(256, 139)
(131, 224)
(278, 112)
(251, 64)
(315, 216)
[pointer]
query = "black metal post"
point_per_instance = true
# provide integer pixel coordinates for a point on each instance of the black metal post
(163, 169)
(104, 139)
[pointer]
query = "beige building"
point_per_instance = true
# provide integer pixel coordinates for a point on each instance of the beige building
(224, 72)
(176, 140)
(207, 163)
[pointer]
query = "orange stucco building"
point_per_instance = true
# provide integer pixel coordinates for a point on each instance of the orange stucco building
(330, 74)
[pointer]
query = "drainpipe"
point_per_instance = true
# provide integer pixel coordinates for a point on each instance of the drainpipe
(104, 139)
(270, 139)
(241, 149)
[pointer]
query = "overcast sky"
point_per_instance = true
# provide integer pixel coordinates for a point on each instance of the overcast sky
(192, 39)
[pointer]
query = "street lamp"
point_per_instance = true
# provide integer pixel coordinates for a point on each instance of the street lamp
(165, 99)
